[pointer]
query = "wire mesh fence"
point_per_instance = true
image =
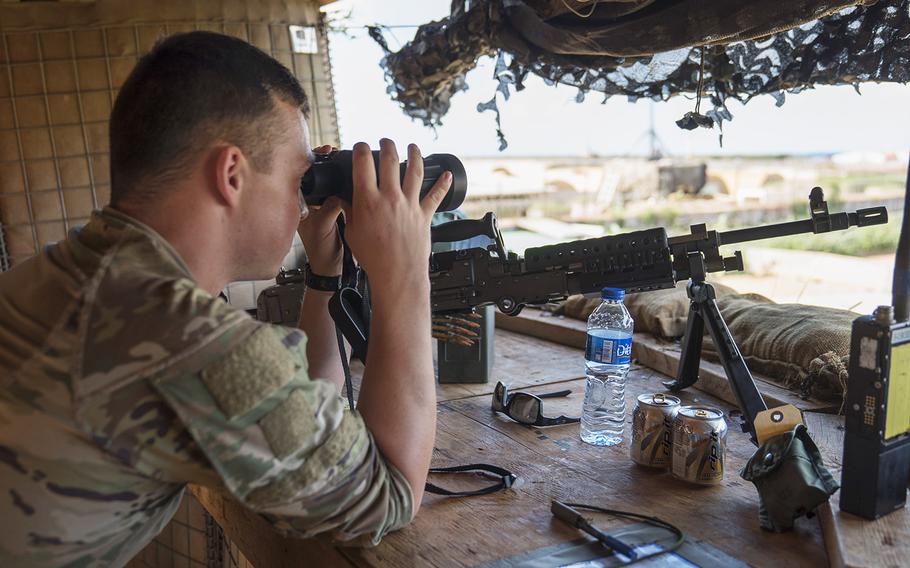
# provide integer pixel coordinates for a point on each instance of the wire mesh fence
(191, 540)
(57, 88)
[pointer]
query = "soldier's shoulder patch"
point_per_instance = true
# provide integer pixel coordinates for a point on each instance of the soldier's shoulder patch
(250, 372)
(290, 425)
(338, 455)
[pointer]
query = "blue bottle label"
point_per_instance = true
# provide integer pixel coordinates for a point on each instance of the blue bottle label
(610, 351)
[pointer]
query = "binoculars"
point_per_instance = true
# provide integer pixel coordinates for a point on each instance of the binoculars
(331, 175)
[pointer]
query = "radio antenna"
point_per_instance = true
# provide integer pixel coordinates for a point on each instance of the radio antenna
(900, 292)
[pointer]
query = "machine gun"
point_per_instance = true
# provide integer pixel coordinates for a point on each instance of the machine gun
(637, 261)
(462, 280)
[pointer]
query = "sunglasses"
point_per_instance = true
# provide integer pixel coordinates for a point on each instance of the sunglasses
(527, 408)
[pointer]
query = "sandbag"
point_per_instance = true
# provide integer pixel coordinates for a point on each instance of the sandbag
(806, 348)
(661, 313)
(577, 307)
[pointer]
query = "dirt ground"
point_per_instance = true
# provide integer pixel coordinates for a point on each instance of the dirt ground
(817, 278)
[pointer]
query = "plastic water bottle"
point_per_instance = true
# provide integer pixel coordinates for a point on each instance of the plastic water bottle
(608, 356)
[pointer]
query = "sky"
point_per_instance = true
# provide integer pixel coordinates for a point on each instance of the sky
(545, 120)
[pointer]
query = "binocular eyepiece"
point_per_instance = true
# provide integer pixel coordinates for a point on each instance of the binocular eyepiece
(332, 175)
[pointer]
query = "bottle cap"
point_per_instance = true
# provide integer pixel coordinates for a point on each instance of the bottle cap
(612, 294)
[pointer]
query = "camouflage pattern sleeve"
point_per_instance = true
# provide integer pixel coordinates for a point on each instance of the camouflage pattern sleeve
(121, 381)
(285, 445)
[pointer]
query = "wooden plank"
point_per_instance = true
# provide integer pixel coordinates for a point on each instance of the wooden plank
(660, 355)
(262, 545)
(554, 463)
(544, 325)
(852, 541)
(515, 361)
(726, 515)
(470, 531)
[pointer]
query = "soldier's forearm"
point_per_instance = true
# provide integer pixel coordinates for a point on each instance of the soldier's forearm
(323, 359)
(398, 396)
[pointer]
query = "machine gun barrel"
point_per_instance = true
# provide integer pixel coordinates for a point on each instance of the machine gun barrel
(838, 222)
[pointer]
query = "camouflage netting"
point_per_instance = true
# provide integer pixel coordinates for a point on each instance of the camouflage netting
(644, 48)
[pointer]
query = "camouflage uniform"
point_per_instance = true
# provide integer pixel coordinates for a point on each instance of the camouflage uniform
(121, 381)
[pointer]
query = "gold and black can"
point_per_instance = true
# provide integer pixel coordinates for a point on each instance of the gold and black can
(699, 445)
(652, 429)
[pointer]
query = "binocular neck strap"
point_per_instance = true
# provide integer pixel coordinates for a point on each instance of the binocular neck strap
(349, 272)
(350, 278)
(506, 479)
(348, 387)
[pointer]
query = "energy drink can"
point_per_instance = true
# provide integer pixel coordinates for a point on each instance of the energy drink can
(699, 445)
(652, 429)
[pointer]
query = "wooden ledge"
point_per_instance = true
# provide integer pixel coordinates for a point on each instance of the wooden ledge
(660, 355)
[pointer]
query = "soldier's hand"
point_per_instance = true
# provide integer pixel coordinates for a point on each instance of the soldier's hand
(388, 225)
(319, 233)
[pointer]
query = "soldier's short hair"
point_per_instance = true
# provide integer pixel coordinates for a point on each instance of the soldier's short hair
(190, 90)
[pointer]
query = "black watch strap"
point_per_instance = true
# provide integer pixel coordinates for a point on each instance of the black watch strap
(323, 283)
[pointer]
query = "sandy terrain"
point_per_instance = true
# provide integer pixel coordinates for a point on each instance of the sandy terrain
(822, 279)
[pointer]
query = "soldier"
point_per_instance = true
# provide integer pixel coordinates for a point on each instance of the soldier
(123, 376)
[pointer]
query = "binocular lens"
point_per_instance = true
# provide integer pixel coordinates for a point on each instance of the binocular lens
(332, 175)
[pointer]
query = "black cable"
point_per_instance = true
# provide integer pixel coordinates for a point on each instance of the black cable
(653, 521)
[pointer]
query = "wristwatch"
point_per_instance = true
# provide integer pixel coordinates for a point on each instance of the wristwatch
(319, 282)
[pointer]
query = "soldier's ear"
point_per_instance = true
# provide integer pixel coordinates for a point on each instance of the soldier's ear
(229, 167)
